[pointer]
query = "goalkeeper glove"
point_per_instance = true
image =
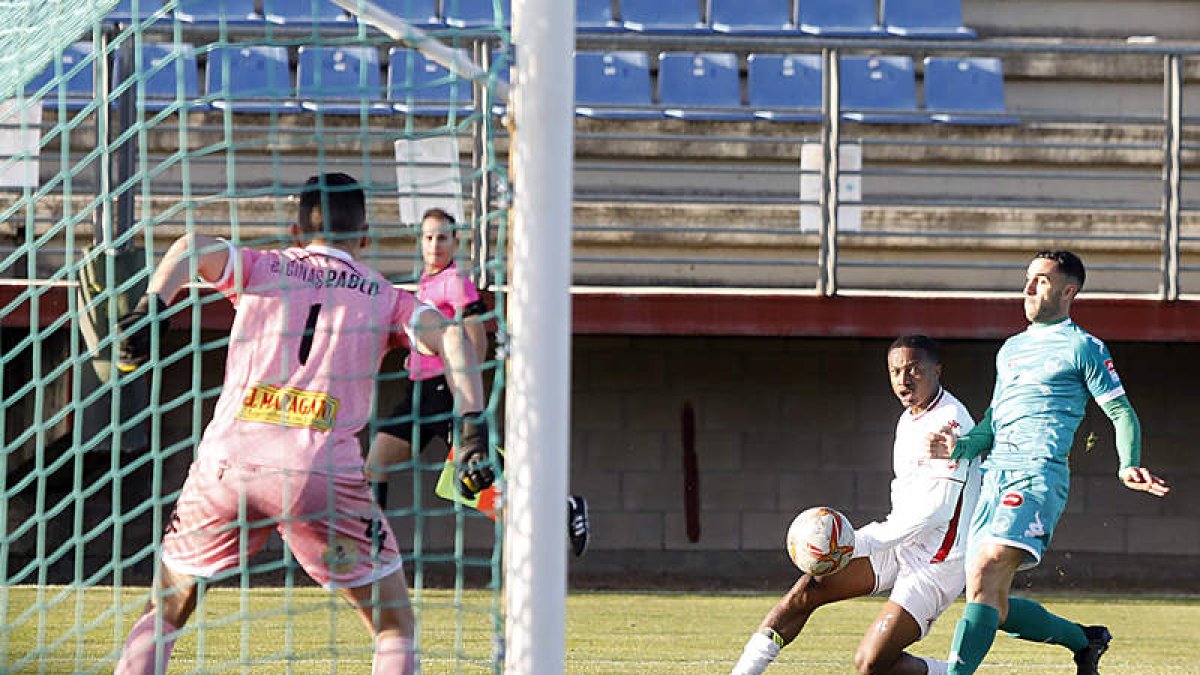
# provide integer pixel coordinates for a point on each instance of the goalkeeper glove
(475, 471)
(133, 332)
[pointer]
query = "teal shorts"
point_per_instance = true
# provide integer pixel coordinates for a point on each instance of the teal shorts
(1019, 508)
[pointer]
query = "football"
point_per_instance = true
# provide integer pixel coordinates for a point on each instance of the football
(820, 541)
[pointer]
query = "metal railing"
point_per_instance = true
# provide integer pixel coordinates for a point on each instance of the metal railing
(1090, 165)
(1115, 190)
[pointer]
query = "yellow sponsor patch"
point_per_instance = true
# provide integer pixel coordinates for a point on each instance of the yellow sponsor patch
(289, 407)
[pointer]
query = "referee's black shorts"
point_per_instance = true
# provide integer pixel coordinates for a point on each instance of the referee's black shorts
(433, 411)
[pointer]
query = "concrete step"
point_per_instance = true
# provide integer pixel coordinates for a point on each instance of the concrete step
(1167, 19)
(632, 243)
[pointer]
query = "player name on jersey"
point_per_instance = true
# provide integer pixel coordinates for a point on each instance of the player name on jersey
(326, 278)
(289, 407)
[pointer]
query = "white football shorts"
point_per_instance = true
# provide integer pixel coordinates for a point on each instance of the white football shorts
(922, 588)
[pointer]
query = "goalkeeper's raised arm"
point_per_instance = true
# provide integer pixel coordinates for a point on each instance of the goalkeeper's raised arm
(209, 255)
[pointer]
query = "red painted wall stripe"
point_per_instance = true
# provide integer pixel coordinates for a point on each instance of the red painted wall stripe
(779, 315)
(691, 473)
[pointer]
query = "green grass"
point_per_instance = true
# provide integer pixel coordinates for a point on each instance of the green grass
(704, 633)
(62, 630)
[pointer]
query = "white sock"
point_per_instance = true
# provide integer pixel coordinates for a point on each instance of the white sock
(935, 667)
(759, 652)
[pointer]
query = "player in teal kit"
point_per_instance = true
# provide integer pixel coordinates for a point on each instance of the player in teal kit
(1044, 377)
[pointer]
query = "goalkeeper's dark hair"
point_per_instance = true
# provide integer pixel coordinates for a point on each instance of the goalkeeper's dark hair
(332, 204)
(1068, 263)
(923, 343)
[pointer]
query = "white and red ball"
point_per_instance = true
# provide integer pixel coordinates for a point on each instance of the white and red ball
(820, 541)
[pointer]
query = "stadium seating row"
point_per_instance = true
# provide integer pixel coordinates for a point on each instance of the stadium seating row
(612, 85)
(788, 87)
(456, 13)
(838, 18)
(257, 78)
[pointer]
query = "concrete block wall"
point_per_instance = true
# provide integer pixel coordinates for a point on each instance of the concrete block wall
(782, 425)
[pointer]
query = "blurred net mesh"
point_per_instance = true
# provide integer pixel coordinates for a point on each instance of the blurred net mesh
(31, 32)
(124, 126)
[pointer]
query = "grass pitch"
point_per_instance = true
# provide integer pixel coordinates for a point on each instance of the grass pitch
(306, 630)
(705, 634)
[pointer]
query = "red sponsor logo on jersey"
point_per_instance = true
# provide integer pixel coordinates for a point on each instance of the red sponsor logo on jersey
(1012, 499)
(1112, 370)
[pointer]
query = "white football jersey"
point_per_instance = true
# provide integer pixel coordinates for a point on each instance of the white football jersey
(932, 499)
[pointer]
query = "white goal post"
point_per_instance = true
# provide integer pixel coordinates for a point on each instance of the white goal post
(539, 312)
(537, 434)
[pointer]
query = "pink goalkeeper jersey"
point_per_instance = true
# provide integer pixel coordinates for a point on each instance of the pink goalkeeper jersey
(448, 291)
(311, 328)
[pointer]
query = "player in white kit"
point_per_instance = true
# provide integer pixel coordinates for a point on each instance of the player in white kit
(281, 452)
(916, 552)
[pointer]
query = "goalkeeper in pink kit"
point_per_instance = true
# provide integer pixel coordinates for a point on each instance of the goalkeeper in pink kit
(281, 452)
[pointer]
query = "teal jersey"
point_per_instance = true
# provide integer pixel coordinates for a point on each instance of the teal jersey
(1044, 377)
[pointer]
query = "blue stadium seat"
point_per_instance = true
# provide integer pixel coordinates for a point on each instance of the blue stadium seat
(476, 13)
(418, 12)
(215, 11)
(879, 89)
(418, 86)
(770, 17)
(701, 86)
(662, 16)
(613, 85)
(925, 19)
(595, 15)
(966, 90)
(785, 87)
(302, 12)
(79, 90)
(838, 18)
(124, 13)
(340, 80)
(159, 73)
(258, 79)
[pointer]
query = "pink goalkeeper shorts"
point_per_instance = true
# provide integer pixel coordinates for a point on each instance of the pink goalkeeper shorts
(330, 522)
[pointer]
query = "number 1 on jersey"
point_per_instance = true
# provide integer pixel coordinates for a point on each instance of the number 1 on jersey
(310, 328)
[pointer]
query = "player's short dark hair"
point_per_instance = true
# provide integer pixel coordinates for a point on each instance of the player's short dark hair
(1068, 263)
(332, 203)
(439, 213)
(923, 343)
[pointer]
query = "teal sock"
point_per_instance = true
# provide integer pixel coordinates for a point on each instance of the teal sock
(973, 638)
(1030, 621)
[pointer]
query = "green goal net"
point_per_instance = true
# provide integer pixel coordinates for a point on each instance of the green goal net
(126, 125)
